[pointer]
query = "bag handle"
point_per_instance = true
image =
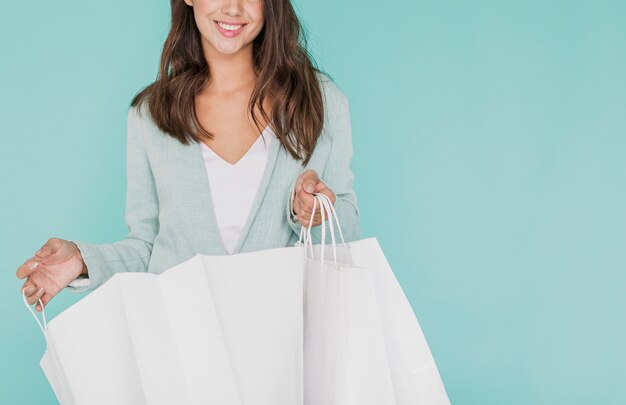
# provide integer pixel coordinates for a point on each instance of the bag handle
(43, 327)
(331, 209)
(325, 206)
(304, 234)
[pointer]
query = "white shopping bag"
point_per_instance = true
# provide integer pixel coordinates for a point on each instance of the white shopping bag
(362, 342)
(211, 330)
(312, 324)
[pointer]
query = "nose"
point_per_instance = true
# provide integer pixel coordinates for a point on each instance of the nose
(233, 7)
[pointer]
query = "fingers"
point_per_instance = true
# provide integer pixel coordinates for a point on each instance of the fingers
(40, 286)
(34, 296)
(43, 255)
(27, 268)
(308, 183)
(29, 289)
(304, 212)
(305, 219)
(45, 298)
(54, 251)
(321, 188)
(303, 203)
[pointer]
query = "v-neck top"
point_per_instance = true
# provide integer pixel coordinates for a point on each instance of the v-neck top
(235, 186)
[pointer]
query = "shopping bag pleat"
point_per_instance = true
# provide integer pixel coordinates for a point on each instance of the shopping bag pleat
(155, 349)
(94, 350)
(366, 349)
(199, 334)
(58, 381)
(414, 372)
(321, 344)
(345, 359)
(258, 299)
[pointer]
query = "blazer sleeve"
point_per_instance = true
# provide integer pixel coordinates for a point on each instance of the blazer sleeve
(338, 176)
(142, 211)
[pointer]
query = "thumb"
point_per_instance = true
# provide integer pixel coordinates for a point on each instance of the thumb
(43, 252)
(47, 249)
(309, 180)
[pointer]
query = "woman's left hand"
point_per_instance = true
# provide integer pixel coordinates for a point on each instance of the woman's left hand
(306, 184)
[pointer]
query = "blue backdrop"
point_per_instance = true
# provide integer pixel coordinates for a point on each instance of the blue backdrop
(489, 140)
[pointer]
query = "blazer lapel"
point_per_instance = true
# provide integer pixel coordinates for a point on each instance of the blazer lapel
(198, 176)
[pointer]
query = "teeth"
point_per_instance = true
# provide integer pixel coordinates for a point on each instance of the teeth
(230, 27)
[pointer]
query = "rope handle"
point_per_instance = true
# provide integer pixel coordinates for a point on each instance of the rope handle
(43, 327)
(325, 206)
(303, 233)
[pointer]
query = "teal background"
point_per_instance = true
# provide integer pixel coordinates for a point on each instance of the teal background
(489, 140)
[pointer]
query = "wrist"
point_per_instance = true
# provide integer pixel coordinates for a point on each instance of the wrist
(84, 270)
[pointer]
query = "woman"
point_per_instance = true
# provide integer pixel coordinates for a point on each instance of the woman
(224, 150)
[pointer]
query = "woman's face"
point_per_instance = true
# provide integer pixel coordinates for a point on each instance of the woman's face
(245, 16)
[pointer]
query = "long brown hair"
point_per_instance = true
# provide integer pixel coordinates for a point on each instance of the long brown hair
(285, 73)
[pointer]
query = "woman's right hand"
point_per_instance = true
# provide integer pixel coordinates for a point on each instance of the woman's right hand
(50, 270)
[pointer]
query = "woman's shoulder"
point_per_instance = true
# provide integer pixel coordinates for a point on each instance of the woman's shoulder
(139, 111)
(139, 115)
(333, 97)
(141, 124)
(332, 91)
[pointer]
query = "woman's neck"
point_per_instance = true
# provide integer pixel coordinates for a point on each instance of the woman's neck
(230, 74)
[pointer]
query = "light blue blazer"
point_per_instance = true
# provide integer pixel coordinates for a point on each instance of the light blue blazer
(169, 210)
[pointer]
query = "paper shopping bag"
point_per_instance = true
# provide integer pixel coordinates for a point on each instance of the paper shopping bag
(344, 349)
(211, 330)
(362, 341)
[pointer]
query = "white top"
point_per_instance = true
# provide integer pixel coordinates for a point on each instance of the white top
(234, 186)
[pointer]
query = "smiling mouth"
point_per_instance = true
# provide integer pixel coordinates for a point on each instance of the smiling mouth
(229, 27)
